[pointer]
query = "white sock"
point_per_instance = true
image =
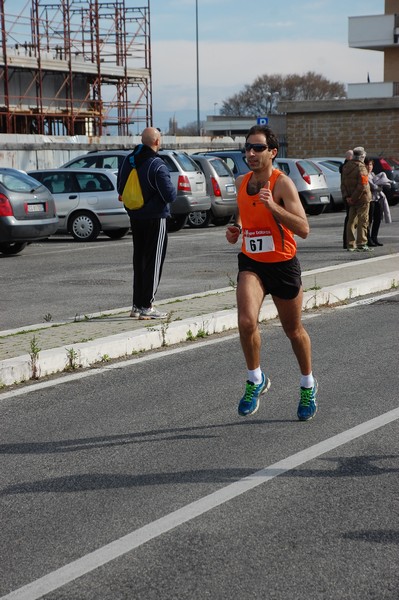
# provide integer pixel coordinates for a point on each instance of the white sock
(307, 381)
(255, 376)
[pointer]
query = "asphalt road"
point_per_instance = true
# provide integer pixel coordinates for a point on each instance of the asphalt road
(60, 278)
(147, 461)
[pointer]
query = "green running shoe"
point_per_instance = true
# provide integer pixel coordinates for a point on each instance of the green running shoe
(249, 403)
(307, 406)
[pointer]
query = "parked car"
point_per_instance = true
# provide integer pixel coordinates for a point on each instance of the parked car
(307, 176)
(235, 160)
(335, 161)
(390, 166)
(220, 187)
(185, 174)
(333, 178)
(27, 211)
(309, 181)
(86, 201)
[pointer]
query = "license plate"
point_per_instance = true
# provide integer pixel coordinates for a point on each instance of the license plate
(35, 208)
(324, 199)
(230, 189)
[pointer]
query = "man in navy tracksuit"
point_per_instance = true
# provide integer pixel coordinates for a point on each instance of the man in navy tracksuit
(148, 223)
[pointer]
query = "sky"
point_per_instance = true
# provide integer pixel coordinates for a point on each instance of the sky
(239, 41)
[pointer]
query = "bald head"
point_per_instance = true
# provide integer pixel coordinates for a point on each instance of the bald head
(151, 137)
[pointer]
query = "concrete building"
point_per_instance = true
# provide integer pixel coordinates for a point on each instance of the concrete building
(369, 116)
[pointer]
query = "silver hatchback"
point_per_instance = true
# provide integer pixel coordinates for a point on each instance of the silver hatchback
(27, 211)
(221, 188)
(86, 201)
(310, 182)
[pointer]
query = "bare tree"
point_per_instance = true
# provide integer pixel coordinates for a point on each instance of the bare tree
(260, 97)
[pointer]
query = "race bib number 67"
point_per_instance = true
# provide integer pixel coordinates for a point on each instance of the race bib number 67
(258, 241)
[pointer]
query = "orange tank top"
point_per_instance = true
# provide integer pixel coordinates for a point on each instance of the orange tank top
(264, 239)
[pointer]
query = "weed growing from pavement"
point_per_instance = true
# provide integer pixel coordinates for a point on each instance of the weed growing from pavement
(163, 328)
(203, 332)
(394, 284)
(314, 287)
(331, 301)
(232, 282)
(34, 358)
(72, 356)
(190, 337)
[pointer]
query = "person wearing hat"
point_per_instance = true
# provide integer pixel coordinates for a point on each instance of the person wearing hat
(356, 191)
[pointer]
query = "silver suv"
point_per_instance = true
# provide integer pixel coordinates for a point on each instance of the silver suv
(185, 174)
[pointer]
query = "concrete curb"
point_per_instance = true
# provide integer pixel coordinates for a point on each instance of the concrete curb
(83, 355)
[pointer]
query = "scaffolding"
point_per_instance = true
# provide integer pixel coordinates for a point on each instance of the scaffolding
(76, 67)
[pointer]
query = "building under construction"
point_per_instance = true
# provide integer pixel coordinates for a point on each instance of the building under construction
(75, 67)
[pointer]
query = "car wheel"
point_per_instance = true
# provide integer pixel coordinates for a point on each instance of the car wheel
(176, 222)
(12, 247)
(221, 220)
(334, 207)
(199, 219)
(315, 210)
(84, 227)
(116, 234)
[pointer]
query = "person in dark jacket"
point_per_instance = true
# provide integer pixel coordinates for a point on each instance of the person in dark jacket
(148, 223)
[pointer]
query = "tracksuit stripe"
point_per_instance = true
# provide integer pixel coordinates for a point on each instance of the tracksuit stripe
(158, 256)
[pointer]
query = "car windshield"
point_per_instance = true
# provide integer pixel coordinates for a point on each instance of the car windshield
(330, 165)
(93, 182)
(309, 167)
(220, 167)
(392, 162)
(186, 163)
(84, 163)
(18, 182)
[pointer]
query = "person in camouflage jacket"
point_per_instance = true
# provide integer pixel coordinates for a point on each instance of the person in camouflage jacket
(356, 192)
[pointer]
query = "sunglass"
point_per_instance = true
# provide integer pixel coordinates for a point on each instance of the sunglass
(255, 147)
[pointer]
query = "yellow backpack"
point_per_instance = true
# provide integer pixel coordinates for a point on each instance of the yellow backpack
(132, 196)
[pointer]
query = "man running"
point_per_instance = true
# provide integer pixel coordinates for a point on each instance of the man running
(269, 214)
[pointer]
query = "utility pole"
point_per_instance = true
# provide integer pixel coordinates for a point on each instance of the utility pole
(196, 40)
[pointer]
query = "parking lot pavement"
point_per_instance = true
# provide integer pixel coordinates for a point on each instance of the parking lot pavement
(48, 348)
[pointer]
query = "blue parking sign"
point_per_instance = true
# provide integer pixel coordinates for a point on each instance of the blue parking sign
(262, 120)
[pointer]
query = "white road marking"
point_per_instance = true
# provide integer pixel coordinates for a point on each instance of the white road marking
(84, 565)
(150, 357)
(365, 301)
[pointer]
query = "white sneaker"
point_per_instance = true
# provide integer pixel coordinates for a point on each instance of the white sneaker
(151, 313)
(135, 312)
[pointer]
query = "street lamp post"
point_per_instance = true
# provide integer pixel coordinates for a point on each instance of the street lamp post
(196, 42)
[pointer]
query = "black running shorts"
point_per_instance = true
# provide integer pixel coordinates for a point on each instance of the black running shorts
(281, 279)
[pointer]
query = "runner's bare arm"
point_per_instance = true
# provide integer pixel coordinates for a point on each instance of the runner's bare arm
(286, 206)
